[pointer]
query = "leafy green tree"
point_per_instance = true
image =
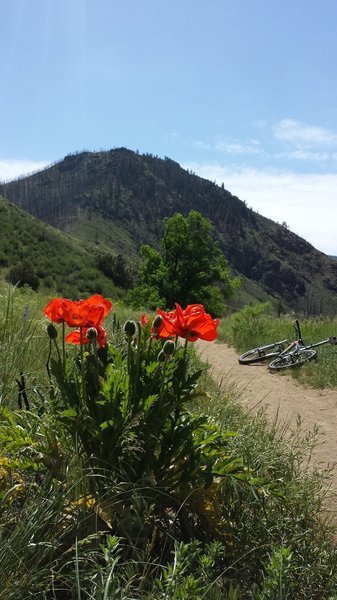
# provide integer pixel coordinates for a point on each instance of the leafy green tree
(190, 269)
(118, 268)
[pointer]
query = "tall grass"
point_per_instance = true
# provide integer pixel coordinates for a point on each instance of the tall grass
(33, 537)
(22, 341)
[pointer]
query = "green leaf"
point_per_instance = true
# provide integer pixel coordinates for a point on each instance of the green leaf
(69, 412)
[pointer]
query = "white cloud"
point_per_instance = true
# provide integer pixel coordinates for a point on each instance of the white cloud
(202, 145)
(305, 155)
(289, 130)
(307, 202)
(11, 168)
(173, 138)
(236, 148)
(218, 144)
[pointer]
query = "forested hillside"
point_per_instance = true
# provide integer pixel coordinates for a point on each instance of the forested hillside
(117, 200)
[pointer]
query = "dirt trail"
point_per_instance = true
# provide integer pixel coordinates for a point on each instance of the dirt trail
(281, 394)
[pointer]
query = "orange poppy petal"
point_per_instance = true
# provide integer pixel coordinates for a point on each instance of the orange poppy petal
(74, 337)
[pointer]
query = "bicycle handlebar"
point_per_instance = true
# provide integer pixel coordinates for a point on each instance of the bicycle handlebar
(331, 340)
(298, 331)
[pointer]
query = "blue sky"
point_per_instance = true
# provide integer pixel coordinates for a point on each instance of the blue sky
(240, 91)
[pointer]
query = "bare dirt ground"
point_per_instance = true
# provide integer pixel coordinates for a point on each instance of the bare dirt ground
(283, 397)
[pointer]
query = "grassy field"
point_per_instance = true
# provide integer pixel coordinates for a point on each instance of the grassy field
(133, 476)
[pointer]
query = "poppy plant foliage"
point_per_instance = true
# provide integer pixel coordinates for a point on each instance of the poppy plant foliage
(124, 413)
(126, 409)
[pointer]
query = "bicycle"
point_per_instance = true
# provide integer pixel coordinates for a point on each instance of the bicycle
(262, 353)
(294, 354)
(268, 351)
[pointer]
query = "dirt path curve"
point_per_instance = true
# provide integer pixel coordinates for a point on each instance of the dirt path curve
(280, 394)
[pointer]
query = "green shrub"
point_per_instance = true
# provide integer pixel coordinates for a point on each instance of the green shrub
(248, 327)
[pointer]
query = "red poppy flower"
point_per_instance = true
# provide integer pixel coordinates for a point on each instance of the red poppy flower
(74, 337)
(77, 315)
(87, 313)
(191, 323)
(80, 314)
(166, 327)
(144, 319)
(97, 300)
(56, 309)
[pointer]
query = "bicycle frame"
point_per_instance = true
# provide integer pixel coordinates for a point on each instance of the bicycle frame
(295, 343)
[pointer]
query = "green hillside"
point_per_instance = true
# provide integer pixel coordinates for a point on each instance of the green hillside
(34, 253)
(117, 200)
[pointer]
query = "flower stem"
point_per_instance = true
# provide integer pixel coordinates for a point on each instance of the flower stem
(48, 361)
(185, 352)
(149, 346)
(63, 345)
(82, 367)
(58, 351)
(137, 365)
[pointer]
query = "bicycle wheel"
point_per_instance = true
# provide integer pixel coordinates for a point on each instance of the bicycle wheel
(293, 359)
(260, 354)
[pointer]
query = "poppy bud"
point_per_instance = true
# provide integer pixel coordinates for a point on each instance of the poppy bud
(130, 328)
(157, 322)
(169, 348)
(52, 331)
(161, 357)
(92, 334)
